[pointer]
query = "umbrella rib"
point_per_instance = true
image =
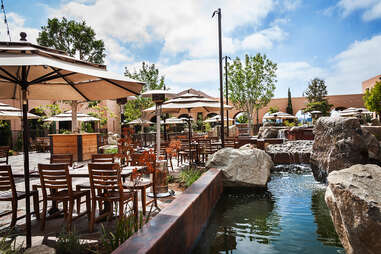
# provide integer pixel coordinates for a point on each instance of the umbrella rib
(115, 84)
(206, 109)
(10, 75)
(47, 78)
(42, 77)
(7, 78)
(70, 83)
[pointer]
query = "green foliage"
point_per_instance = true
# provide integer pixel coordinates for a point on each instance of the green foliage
(189, 176)
(153, 81)
(125, 228)
(87, 127)
(5, 133)
(63, 131)
(134, 109)
(148, 74)
(47, 111)
(111, 151)
(242, 118)
(372, 98)
(70, 242)
(289, 103)
(8, 245)
(171, 179)
(4, 124)
(101, 112)
(252, 85)
(207, 127)
(76, 38)
(273, 109)
(289, 124)
(323, 106)
(316, 91)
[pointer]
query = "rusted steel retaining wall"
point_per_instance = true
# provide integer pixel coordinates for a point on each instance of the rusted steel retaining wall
(176, 228)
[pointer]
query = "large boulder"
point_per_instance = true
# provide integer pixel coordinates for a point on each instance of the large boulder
(40, 249)
(353, 197)
(244, 167)
(268, 132)
(340, 143)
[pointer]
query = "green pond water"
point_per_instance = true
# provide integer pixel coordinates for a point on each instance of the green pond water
(292, 219)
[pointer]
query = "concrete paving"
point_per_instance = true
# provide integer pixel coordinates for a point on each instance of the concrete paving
(54, 226)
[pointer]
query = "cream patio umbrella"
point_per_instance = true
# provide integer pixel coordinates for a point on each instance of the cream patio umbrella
(173, 120)
(7, 112)
(140, 121)
(191, 103)
(67, 116)
(216, 119)
(29, 71)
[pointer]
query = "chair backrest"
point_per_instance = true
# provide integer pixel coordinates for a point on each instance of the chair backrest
(55, 176)
(230, 142)
(62, 158)
(109, 158)
(7, 182)
(105, 177)
(4, 150)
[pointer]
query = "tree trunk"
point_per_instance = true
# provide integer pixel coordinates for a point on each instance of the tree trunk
(74, 126)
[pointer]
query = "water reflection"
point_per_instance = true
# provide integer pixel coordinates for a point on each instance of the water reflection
(294, 219)
(325, 229)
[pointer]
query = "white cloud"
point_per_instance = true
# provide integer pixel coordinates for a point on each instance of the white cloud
(359, 62)
(264, 39)
(371, 8)
(17, 25)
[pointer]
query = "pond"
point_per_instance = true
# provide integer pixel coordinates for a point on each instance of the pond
(291, 218)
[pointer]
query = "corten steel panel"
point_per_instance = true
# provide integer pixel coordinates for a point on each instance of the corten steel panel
(176, 228)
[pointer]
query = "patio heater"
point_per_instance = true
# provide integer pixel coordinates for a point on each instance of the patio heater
(227, 94)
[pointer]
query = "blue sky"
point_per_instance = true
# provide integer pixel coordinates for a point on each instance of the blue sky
(338, 41)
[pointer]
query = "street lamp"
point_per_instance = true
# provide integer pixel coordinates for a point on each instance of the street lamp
(227, 94)
(218, 12)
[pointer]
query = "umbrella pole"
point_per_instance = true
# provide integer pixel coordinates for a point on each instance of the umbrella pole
(157, 132)
(26, 166)
(189, 137)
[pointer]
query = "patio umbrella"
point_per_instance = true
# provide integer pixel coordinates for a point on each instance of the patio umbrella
(7, 112)
(67, 116)
(191, 103)
(216, 119)
(29, 71)
(173, 120)
(354, 112)
(140, 121)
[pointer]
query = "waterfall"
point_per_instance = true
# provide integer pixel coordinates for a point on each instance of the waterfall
(282, 134)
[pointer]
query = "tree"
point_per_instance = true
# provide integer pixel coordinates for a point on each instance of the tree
(273, 110)
(251, 86)
(149, 74)
(372, 98)
(316, 93)
(289, 104)
(76, 39)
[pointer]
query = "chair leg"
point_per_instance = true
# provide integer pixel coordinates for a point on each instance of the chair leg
(92, 217)
(14, 212)
(78, 188)
(143, 193)
(44, 208)
(70, 214)
(121, 208)
(135, 207)
(65, 209)
(88, 207)
(36, 204)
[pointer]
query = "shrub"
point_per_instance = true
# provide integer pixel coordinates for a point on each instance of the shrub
(189, 176)
(111, 151)
(70, 242)
(8, 245)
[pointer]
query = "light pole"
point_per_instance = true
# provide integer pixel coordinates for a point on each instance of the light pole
(227, 94)
(218, 12)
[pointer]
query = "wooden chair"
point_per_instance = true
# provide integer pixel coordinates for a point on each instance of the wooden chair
(62, 158)
(4, 150)
(230, 142)
(106, 187)
(205, 148)
(8, 193)
(56, 177)
(109, 158)
(184, 152)
(142, 186)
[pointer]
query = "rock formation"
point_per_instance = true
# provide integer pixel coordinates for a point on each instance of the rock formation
(268, 132)
(340, 143)
(354, 199)
(244, 167)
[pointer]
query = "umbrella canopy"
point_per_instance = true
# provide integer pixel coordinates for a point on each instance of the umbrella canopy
(7, 112)
(29, 71)
(303, 116)
(140, 121)
(67, 116)
(278, 115)
(190, 102)
(216, 119)
(173, 120)
(354, 112)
